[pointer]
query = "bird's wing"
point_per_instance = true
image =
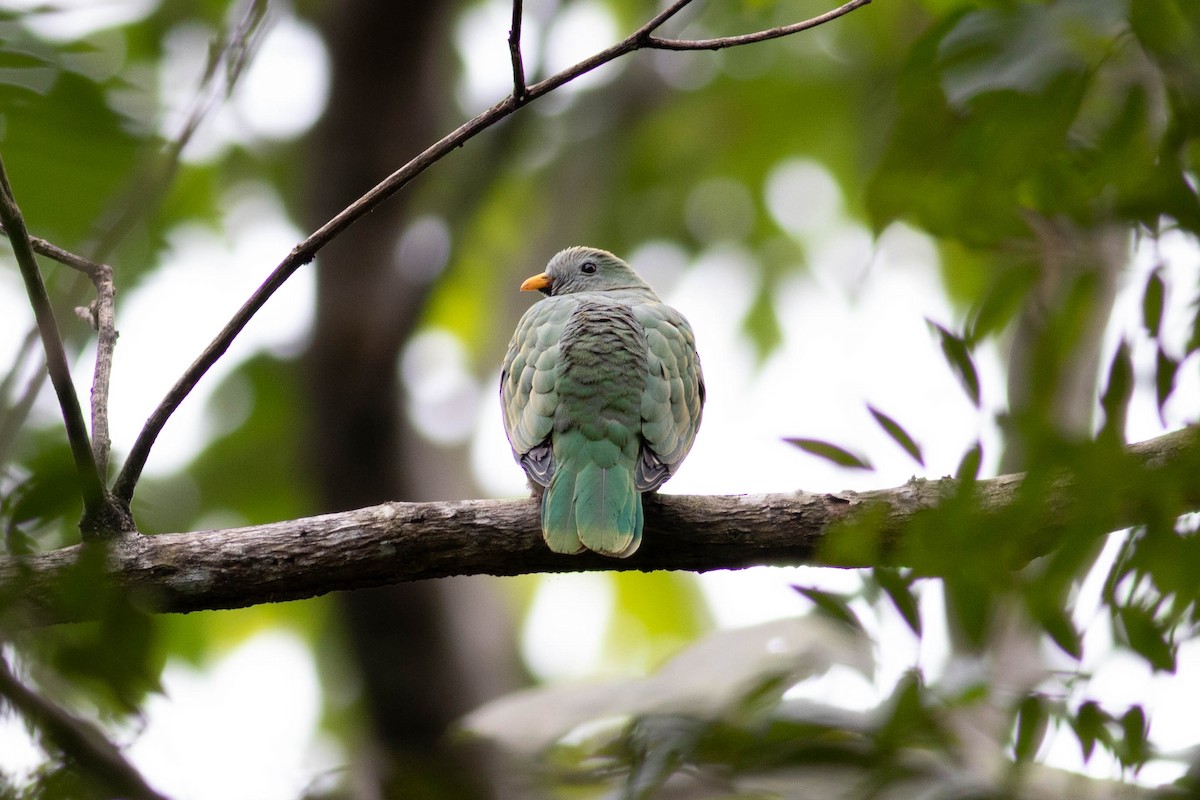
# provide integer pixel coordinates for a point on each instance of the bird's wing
(674, 395)
(527, 384)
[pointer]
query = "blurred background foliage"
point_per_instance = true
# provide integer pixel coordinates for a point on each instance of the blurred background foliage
(1037, 146)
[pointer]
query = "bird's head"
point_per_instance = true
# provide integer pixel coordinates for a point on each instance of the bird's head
(584, 269)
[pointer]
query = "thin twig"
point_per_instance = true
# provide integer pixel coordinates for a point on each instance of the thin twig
(634, 41)
(306, 250)
(234, 53)
(79, 741)
(13, 415)
(104, 318)
(66, 257)
(514, 51)
(91, 487)
(718, 43)
(101, 315)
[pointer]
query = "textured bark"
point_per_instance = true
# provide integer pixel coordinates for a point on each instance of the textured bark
(395, 542)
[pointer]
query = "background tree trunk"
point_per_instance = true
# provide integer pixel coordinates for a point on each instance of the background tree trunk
(422, 661)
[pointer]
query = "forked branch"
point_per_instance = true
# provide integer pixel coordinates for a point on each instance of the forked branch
(514, 51)
(101, 315)
(90, 483)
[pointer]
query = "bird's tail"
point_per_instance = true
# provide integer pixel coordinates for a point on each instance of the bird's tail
(592, 508)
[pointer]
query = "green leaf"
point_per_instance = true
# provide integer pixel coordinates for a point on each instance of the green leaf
(1058, 626)
(46, 505)
(114, 660)
(1115, 400)
(969, 607)
(1169, 32)
(968, 468)
(1162, 29)
(1146, 636)
(48, 158)
(1033, 720)
(898, 434)
(910, 722)
(1152, 303)
(898, 587)
(1194, 340)
(958, 356)
(1000, 300)
(1090, 725)
(834, 606)
(1135, 746)
(1165, 369)
(830, 452)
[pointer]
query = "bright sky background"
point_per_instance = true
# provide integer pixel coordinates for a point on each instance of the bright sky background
(854, 333)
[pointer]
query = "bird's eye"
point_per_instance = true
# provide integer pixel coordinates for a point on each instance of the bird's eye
(588, 268)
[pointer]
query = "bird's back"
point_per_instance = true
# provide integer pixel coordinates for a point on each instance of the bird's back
(602, 394)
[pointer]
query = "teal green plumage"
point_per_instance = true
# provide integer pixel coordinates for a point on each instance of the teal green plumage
(602, 395)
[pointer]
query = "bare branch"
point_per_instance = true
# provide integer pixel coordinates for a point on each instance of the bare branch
(306, 250)
(636, 40)
(103, 314)
(90, 483)
(53, 251)
(232, 52)
(514, 51)
(78, 740)
(719, 43)
(394, 542)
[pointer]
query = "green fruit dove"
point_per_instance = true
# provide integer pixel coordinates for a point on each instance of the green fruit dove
(602, 394)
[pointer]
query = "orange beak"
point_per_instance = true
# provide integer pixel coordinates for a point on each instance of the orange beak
(537, 282)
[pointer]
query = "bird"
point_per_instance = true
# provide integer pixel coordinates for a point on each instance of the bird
(602, 394)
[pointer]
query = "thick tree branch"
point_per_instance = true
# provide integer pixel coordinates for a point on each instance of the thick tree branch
(306, 250)
(394, 542)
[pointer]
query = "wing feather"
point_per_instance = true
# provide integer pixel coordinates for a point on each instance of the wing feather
(528, 379)
(673, 400)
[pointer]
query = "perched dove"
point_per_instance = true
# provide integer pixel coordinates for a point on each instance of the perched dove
(602, 393)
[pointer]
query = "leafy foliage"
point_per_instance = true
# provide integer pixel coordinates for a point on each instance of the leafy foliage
(1009, 133)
